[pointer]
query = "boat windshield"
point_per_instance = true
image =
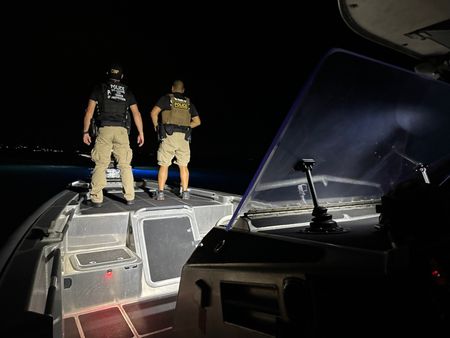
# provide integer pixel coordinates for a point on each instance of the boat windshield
(367, 125)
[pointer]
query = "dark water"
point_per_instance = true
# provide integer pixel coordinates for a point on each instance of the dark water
(28, 186)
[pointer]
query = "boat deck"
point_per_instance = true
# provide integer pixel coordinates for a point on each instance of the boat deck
(122, 321)
(97, 237)
(144, 198)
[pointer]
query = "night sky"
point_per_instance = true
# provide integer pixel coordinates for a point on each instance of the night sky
(242, 68)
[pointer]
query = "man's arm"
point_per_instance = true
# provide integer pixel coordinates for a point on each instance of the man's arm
(195, 121)
(87, 121)
(154, 115)
(138, 122)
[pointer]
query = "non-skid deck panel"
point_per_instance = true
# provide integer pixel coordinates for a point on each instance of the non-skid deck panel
(105, 323)
(104, 256)
(70, 328)
(153, 318)
(113, 202)
(146, 319)
(169, 243)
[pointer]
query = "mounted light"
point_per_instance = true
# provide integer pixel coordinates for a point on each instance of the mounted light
(108, 274)
(435, 273)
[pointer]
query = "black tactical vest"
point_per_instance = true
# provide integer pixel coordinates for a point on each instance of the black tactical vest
(113, 108)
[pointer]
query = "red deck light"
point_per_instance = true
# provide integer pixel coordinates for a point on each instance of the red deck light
(108, 274)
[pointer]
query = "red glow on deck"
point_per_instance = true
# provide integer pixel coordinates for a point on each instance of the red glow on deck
(108, 274)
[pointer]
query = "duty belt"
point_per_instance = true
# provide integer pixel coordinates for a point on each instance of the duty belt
(176, 128)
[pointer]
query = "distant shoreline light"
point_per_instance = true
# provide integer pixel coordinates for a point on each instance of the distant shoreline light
(21, 147)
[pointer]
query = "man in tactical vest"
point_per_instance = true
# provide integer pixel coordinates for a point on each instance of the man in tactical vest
(113, 101)
(178, 117)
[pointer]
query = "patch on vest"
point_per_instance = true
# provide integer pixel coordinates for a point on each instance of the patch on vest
(115, 92)
(179, 103)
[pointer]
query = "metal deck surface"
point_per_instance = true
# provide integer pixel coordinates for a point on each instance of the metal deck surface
(114, 202)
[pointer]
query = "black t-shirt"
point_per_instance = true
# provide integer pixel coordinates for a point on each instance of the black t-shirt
(164, 103)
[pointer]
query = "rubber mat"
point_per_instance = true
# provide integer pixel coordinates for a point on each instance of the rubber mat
(70, 328)
(108, 323)
(151, 316)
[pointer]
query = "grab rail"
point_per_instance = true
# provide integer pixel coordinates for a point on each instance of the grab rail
(53, 282)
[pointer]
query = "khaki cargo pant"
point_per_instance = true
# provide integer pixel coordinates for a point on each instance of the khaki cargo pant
(115, 140)
(172, 146)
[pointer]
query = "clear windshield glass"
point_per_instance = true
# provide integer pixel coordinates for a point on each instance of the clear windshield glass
(366, 124)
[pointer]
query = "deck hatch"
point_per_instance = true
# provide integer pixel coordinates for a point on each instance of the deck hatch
(169, 243)
(99, 257)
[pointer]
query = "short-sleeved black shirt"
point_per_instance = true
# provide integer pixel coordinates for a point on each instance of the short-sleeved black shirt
(164, 103)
